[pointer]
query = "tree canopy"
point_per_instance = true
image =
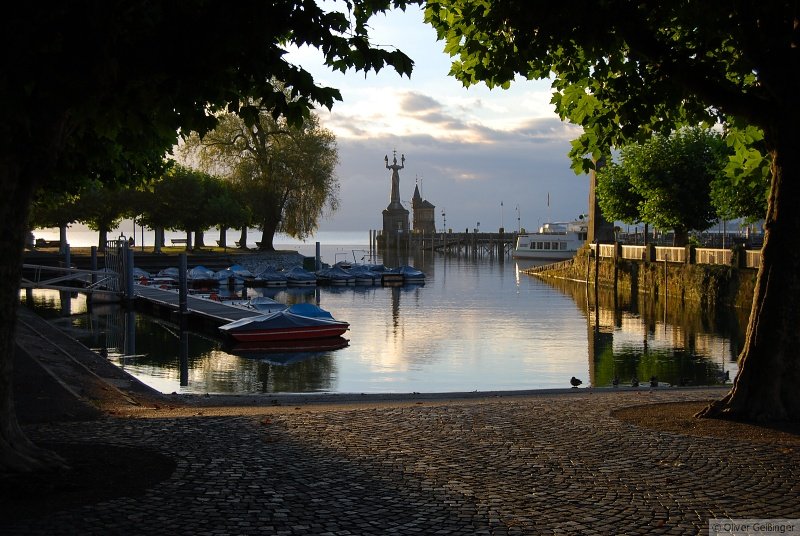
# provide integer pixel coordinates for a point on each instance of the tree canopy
(625, 70)
(665, 181)
(103, 89)
(286, 172)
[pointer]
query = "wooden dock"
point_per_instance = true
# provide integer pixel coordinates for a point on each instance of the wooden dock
(467, 244)
(208, 314)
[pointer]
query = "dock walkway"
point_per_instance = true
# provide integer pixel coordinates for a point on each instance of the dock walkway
(217, 313)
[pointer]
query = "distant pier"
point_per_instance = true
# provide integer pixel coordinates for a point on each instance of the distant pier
(468, 244)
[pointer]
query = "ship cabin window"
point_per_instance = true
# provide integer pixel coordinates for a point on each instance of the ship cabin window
(563, 246)
(547, 245)
(539, 245)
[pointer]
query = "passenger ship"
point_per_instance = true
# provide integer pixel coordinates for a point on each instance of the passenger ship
(554, 241)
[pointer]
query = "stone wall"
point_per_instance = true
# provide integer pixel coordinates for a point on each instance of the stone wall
(703, 284)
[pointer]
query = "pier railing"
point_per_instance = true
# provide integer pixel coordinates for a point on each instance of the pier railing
(467, 243)
(681, 255)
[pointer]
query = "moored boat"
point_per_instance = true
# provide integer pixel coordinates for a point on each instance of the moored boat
(364, 275)
(335, 275)
(269, 276)
(298, 322)
(234, 275)
(200, 276)
(554, 241)
(411, 274)
(298, 276)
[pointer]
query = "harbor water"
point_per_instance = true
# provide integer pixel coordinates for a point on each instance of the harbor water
(476, 324)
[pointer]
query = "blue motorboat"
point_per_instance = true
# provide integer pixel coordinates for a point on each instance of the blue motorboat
(298, 276)
(411, 274)
(269, 276)
(235, 274)
(335, 275)
(364, 275)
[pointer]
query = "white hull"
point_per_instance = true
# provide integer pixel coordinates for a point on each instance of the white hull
(554, 241)
(544, 255)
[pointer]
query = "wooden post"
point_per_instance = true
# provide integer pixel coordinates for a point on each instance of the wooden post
(93, 265)
(182, 285)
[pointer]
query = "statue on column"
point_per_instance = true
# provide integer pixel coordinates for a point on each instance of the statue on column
(395, 195)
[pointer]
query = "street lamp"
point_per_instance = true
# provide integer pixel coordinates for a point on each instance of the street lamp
(519, 229)
(444, 220)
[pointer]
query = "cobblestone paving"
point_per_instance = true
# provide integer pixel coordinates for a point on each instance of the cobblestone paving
(548, 464)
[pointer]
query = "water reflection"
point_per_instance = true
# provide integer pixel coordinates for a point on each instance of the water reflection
(641, 337)
(475, 324)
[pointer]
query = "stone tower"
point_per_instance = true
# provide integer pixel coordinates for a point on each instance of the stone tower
(395, 216)
(424, 219)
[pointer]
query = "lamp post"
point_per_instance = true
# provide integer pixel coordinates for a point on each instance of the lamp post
(444, 221)
(519, 229)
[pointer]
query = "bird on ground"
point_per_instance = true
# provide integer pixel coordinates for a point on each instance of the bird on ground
(575, 381)
(653, 381)
(615, 381)
(724, 378)
(634, 382)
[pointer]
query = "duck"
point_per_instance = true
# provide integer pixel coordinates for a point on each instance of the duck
(575, 382)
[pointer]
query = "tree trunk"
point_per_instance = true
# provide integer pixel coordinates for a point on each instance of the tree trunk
(268, 235)
(223, 238)
(17, 452)
(158, 239)
(188, 241)
(765, 388)
(680, 237)
(199, 239)
(62, 238)
(243, 238)
(102, 239)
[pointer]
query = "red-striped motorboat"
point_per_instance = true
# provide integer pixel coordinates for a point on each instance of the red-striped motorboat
(298, 322)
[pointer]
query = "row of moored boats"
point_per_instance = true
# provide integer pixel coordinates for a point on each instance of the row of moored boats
(268, 276)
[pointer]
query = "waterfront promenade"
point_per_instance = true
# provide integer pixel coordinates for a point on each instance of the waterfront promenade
(557, 462)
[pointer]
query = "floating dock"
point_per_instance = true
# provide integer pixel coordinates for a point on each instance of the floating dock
(200, 312)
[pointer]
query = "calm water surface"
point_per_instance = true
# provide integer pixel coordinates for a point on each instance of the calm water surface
(476, 324)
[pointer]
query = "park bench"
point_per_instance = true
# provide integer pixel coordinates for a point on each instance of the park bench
(179, 241)
(238, 244)
(42, 243)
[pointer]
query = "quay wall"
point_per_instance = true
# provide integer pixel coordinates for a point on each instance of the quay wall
(707, 285)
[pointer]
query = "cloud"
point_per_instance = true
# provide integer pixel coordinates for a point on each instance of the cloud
(467, 148)
(412, 103)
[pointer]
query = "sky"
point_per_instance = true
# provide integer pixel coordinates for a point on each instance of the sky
(485, 158)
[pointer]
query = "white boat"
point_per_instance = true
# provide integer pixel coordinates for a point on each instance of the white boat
(554, 241)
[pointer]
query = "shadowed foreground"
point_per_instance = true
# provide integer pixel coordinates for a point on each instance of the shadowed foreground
(534, 463)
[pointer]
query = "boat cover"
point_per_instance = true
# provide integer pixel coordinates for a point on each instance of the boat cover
(298, 316)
